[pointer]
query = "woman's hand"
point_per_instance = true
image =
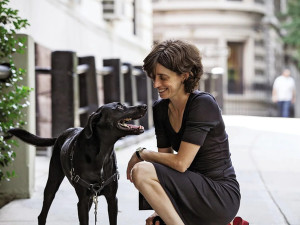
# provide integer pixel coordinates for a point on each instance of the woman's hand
(134, 160)
(149, 220)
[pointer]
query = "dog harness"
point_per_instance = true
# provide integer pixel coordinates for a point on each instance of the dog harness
(95, 188)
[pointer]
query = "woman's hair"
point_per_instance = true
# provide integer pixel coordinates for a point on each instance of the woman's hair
(179, 57)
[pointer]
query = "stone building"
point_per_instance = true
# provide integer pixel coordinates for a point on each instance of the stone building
(241, 36)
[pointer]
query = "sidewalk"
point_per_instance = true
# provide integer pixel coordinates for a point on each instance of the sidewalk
(265, 153)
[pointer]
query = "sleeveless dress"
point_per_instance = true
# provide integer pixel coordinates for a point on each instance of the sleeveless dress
(208, 192)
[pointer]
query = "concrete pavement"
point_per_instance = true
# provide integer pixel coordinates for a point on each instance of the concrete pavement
(265, 153)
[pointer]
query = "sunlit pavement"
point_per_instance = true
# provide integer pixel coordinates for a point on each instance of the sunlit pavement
(265, 153)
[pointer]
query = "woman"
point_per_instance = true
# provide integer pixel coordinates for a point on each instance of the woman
(198, 184)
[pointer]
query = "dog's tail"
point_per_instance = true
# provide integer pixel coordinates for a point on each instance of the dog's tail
(31, 138)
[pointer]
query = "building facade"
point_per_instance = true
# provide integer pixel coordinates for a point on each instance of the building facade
(241, 36)
(106, 29)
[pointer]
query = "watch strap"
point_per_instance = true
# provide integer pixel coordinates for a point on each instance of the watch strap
(138, 151)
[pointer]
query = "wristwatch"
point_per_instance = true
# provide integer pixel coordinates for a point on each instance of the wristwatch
(138, 151)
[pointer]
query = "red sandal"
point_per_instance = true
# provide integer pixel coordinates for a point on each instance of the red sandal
(239, 221)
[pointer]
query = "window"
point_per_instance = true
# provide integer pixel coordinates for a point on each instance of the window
(277, 7)
(112, 9)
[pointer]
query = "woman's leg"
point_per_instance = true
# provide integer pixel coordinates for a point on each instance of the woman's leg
(146, 181)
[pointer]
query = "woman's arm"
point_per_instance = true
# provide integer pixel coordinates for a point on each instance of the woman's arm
(166, 150)
(180, 161)
(134, 159)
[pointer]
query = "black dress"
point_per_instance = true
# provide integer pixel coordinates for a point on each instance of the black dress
(208, 192)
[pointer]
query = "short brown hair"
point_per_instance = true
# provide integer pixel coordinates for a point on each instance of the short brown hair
(178, 56)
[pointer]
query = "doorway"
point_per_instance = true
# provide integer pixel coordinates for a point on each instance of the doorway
(235, 68)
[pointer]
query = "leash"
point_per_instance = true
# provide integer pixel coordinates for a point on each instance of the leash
(96, 188)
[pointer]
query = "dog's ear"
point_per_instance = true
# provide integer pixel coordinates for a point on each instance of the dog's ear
(88, 130)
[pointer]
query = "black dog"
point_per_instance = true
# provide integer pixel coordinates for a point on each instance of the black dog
(86, 157)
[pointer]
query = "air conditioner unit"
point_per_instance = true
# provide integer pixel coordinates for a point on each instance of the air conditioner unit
(112, 9)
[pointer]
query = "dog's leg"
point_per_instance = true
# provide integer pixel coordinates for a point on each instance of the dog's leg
(84, 204)
(113, 210)
(112, 204)
(56, 176)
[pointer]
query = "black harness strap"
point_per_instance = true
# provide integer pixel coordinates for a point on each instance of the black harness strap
(96, 188)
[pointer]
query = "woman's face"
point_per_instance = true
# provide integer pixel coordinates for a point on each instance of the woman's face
(168, 83)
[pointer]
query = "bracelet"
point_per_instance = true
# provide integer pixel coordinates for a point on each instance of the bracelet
(138, 151)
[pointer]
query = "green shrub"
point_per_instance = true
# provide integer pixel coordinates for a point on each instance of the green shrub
(291, 25)
(13, 96)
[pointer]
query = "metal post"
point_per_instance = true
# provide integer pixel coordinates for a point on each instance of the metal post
(210, 83)
(63, 64)
(135, 73)
(129, 85)
(88, 88)
(76, 102)
(203, 82)
(217, 74)
(142, 93)
(4, 71)
(111, 82)
(219, 88)
(149, 102)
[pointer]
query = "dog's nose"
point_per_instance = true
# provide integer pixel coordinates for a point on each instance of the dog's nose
(143, 107)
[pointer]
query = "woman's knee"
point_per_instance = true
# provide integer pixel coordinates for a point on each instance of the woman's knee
(142, 173)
